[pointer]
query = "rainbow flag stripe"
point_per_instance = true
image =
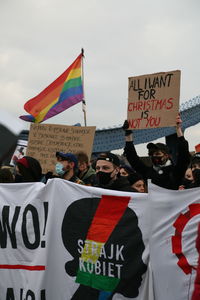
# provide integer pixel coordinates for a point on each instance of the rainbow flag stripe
(65, 91)
(108, 213)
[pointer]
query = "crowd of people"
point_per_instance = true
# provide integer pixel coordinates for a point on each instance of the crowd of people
(125, 173)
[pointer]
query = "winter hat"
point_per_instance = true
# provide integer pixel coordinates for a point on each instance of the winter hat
(156, 147)
(69, 157)
(110, 157)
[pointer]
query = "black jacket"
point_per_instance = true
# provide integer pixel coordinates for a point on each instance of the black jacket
(168, 177)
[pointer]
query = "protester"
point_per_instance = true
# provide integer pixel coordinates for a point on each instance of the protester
(85, 172)
(137, 182)
(187, 180)
(28, 169)
(188, 174)
(6, 176)
(195, 161)
(195, 167)
(107, 173)
(196, 176)
(125, 170)
(66, 167)
(163, 171)
(192, 174)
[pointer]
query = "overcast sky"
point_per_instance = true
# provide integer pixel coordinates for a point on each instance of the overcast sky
(40, 39)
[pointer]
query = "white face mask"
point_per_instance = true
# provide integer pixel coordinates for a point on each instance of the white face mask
(59, 169)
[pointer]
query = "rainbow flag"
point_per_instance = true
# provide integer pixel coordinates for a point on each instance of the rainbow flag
(65, 91)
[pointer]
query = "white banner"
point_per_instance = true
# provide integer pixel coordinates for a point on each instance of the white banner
(22, 257)
(174, 220)
(67, 241)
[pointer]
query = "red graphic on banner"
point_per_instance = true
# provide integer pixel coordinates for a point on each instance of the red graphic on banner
(179, 224)
(23, 267)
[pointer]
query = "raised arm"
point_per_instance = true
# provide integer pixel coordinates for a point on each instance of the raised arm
(130, 152)
(179, 131)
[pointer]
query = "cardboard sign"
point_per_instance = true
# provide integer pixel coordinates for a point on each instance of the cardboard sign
(46, 139)
(153, 100)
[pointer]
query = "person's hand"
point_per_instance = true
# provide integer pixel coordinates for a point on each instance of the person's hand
(125, 128)
(179, 126)
(125, 125)
(178, 120)
(181, 187)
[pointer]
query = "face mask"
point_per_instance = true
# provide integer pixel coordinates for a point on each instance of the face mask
(103, 178)
(59, 169)
(158, 160)
(196, 175)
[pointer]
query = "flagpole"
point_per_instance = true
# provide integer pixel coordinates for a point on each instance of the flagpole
(83, 101)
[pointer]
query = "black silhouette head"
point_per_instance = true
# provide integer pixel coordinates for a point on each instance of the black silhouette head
(123, 249)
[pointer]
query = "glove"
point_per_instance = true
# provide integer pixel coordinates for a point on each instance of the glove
(125, 128)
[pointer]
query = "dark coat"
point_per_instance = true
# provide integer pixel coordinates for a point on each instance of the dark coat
(168, 177)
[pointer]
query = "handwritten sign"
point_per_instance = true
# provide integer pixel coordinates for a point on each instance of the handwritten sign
(45, 139)
(153, 100)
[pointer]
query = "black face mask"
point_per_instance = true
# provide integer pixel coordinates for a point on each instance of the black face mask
(103, 178)
(158, 160)
(196, 175)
